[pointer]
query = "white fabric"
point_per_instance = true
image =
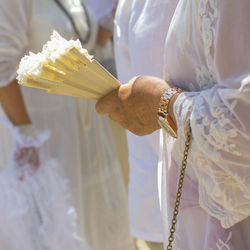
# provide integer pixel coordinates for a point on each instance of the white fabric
(36, 211)
(80, 140)
(26, 130)
(36, 205)
(215, 68)
(218, 110)
(135, 22)
(102, 8)
(206, 51)
(104, 11)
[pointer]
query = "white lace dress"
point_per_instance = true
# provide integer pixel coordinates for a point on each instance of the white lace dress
(207, 53)
(205, 49)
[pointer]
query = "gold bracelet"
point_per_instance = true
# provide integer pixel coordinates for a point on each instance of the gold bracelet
(163, 110)
(165, 99)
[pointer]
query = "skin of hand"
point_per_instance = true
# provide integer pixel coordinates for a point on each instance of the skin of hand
(135, 105)
(27, 156)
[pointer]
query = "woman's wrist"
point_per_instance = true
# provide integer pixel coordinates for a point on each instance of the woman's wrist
(103, 36)
(166, 110)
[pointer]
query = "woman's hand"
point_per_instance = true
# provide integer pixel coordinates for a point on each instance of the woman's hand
(135, 105)
(25, 153)
(26, 156)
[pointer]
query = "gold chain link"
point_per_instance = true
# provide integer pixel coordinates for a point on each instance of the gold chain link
(179, 190)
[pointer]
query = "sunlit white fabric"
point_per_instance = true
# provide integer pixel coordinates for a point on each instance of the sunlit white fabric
(102, 7)
(140, 32)
(104, 10)
(205, 51)
(81, 143)
(36, 210)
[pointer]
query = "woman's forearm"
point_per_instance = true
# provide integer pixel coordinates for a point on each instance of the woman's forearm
(103, 36)
(12, 102)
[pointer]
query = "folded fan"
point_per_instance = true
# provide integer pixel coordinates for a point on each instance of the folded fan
(64, 67)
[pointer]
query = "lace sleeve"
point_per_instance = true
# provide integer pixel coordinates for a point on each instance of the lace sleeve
(14, 22)
(220, 117)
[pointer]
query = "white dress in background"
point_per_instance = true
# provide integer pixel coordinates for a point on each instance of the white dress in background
(102, 8)
(205, 51)
(138, 39)
(80, 139)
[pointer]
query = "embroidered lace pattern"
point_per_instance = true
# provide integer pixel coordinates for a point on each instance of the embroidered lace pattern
(216, 132)
(207, 14)
(219, 159)
(221, 245)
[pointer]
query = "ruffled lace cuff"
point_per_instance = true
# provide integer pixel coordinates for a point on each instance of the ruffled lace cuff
(182, 111)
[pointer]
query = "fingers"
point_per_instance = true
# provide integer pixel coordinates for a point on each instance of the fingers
(34, 158)
(26, 156)
(107, 103)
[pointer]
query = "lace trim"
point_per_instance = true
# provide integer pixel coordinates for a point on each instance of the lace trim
(204, 77)
(221, 245)
(217, 132)
(207, 14)
(209, 198)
